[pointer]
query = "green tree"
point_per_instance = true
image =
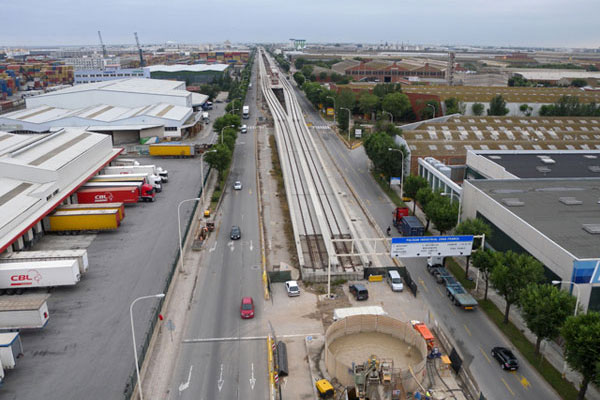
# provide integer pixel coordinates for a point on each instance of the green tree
(525, 109)
(383, 125)
(234, 105)
(229, 137)
(412, 184)
(396, 104)
(498, 106)
(453, 106)
(382, 89)
(368, 103)
(346, 99)
(384, 161)
(579, 82)
(307, 70)
(485, 261)
(227, 120)
(477, 109)
(582, 347)
(545, 309)
(299, 62)
(442, 213)
(322, 75)
(474, 227)
(513, 274)
(299, 78)
(219, 159)
(424, 196)
(313, 92)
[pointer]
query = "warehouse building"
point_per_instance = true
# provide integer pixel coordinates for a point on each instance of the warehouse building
(38, 173)
(393, 71)
(196, 74)
(102, 75)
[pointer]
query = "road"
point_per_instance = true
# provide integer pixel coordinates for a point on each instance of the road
(230, 362)
(473, 332)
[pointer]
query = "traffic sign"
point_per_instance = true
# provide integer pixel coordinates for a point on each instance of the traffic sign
(428, 246)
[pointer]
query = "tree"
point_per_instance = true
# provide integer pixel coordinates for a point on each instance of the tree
(299, 62)
(485, 261)
(346, 99)
(582, 347)
(322, 75)
(424, 196)
(477, 109)
(382, 89)
(525, 109)
(368, 103)
(229, 137)
(234, 105)
(227, 120)
(299, 78)
(219, 159)
(442, 213)
(307, 70)
(579, 82)
(383, 125)
(513, 274)
(498, 106)
(545, 309)
(453, 106)
(473, 227)
(396, 104)
(384, 160)
(412, 184)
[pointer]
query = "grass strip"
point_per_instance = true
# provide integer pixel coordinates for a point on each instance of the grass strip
(459, 273)
(383, 184)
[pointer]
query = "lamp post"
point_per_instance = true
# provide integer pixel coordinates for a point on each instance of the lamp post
(179, 227)
(349, 118)
(391, 115)
(333, 99)
(222, 129)
(459, 197)
(432, 106)
(232, 109)
(202, 174)
(574, 313)
(137, 367)
(401, 175)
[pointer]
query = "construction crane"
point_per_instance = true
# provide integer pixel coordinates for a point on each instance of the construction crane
(142, 63)
(104, 53)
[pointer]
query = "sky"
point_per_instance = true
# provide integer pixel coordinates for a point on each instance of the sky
(542, 23)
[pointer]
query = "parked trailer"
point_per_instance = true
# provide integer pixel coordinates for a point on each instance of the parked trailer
(124, 162)
(136, 169)
(411, 226)
(11, 349)
(150, 179)
(110, 192)
(79, 254)
(172, 150)
(83, 220)
(460, 297)
(32, 274)
(94, 206)
(25, 311)
(399, 213)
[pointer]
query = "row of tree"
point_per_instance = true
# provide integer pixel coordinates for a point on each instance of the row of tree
(221, 153)
(570, 106)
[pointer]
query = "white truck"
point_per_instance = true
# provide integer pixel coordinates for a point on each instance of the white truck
(150, 179)
(205, 117)
(30, 274)
(10, 349)
(19, 256)
(137, 169)
(341, 313)
(246, 112)
(126, 162)
(25, 311)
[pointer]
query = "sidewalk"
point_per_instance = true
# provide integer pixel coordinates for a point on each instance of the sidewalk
(549, 349)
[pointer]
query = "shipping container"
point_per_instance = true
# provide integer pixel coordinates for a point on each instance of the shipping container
(10, 349)
(48, 255)
(171, 149)
(84, 220)
(31, 274)
(24, 311)
(411, 226)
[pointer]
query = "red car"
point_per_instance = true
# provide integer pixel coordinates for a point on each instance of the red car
(247, 308)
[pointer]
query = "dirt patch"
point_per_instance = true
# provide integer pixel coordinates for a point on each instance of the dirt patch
(326, 306)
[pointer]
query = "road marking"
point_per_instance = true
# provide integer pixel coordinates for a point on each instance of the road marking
(213, 248)
(439, 291)
(523, 381)
(236, 338)
(251, 246)
(250, 191)
(422, 282)
(252, 380)
(485, 355)
(230, 244)
(220, 382)
(467, 329)
(508, 387)
(368, 202)
(185, 385)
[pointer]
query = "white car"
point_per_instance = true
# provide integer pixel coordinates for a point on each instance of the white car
(237, 185)
(244, 129)
(292, 288)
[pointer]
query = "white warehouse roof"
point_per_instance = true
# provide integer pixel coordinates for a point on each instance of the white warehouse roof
(187, 68)
(38, 171)
(555, 74)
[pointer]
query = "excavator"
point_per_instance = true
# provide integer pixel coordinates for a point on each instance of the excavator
(368, 377)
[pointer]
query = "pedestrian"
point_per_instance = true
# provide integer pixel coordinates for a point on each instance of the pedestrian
(389, 229)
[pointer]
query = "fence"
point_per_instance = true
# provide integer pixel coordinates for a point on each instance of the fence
(128, 392)
(401, 270)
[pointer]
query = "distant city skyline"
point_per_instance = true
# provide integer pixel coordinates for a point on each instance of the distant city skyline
(510, 23)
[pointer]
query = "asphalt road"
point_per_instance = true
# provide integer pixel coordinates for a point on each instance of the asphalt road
(232, 364)
(86, 351)
(473, 333)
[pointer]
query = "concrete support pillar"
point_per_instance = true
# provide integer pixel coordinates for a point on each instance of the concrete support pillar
(18, 244)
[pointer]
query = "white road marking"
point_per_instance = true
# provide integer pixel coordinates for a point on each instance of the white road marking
(214, 247)
(230, 244)
(185, 385)
(220, 382)
(251, 246)
(252, 380)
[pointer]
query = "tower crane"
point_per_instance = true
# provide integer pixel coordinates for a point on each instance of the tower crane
(104, 53)
(137, 41)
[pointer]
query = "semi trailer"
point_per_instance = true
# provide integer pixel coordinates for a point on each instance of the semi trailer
(137, 169)
(20, 256)
(24, 311)
(32, 274)
(95, 206)
(83, 220)
(112, 192)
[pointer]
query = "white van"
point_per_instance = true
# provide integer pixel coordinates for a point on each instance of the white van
(395, 281)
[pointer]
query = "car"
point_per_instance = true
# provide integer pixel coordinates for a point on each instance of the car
(250, 85)
(506, 358)
(395, 281)
(247, 308)
(237, 185)
(244, 129)
(359, 291)
(236, 233)
(292, 288)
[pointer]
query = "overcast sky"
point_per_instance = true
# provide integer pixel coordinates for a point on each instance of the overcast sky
(548, 23)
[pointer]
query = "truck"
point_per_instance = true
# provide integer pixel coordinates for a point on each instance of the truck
(424, 332)
(32, 274)
(246, 112)
(19, 256)
(150, 179)
(411, 226)
(206, 117)
(399, 213)
(111, 192)
(83, 220)
(94, 206)
(460, 297)
(10, 349)
(341, 313)
(137, 169)
(24, 311)
(125, 162)
(172, 150)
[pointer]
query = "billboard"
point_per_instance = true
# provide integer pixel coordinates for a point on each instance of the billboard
(430, 246)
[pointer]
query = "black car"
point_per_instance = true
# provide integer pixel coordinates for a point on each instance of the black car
(506, 358)
(236, 233)
(359, 291)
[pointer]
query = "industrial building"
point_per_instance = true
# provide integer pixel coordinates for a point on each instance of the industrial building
(38, 173)
(196, 74)
(102, 75)
(393, 71)
(557, 76)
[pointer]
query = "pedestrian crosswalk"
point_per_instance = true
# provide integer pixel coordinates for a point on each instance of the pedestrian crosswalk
(321, 127)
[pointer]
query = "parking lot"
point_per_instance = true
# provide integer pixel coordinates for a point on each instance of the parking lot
(86, 349)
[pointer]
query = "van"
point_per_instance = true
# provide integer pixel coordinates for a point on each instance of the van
(325, 389)
(395, 281)
(359, 291)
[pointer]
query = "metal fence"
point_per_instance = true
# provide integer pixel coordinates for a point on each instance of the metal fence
(130, 385)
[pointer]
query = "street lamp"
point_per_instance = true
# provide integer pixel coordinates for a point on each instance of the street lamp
(432, 106)
(232, 109)
(179, 226)
(391, 115)
(137, 367)
(574, 314)
(402, 174)
(349, 117)
(333, 99)
(459, 197)
(222, 129)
